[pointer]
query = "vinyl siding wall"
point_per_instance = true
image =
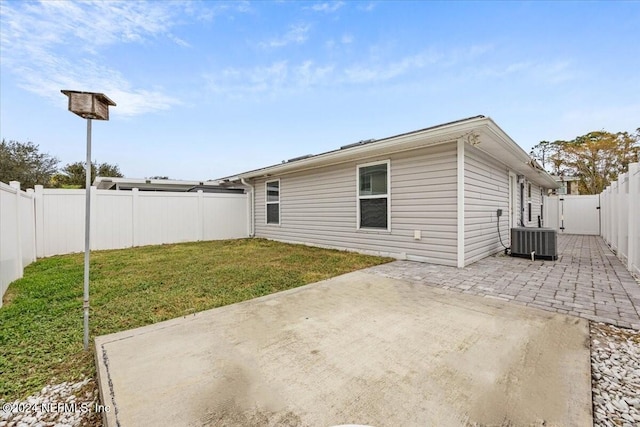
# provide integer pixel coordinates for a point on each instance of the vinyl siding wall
(486, 189)
(318, 207)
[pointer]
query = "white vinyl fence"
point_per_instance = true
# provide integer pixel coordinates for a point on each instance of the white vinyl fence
(17, 233)
(123, 219)
(573, 214)
(621, 217)
(49, 222)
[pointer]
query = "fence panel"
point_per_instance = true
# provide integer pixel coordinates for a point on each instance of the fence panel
(551, 212)
(167, 218)
(27, 227)
(581, 214)
(112, 226)
(573, 214)
(621, 220)
(633, 215)
(62, 221)
(123, 219)
(218, 222)
(17, 234)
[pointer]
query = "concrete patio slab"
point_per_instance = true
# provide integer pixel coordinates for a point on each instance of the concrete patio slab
(355, 349)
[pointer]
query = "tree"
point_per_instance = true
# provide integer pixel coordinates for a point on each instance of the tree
(25, 163)
(596, 158)
(73, 174)
(542, 151)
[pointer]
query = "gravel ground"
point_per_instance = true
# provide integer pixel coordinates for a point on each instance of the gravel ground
(615, 373)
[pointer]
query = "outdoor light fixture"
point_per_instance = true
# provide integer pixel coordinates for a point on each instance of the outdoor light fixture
(90, 106)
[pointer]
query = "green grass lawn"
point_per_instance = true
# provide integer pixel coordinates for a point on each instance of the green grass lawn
(41, 322)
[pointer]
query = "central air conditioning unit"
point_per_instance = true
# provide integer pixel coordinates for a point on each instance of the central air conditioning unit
(541, 243)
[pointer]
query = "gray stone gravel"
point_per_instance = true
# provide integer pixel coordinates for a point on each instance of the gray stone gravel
(615, 374)
(59, 405)
(615, 371)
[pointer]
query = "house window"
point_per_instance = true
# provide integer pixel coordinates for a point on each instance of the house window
(373, 196)
(273, 201)
(529, 202)
(541, 204)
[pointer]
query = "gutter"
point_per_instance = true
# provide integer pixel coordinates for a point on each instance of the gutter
(252, 207)
(448, 132)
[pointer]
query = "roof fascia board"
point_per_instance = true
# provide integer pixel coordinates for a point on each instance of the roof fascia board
(406, 142)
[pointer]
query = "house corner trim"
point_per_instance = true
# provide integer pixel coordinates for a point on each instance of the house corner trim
(460, 201)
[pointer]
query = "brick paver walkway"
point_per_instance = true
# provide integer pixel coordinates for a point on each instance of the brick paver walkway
(586, 281)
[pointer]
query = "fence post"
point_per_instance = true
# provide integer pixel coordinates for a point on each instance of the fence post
(16, 185)
(612, 201)
(200, 235)
(606, 205)
(614, 216)
(632, 199)
(134, 217)
(39, 213)
(619, 222)
(603, 214)
(32, 196)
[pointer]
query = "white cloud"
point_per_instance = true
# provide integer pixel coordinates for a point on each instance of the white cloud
(92, 77)
(367, 7)
(279, 76)
(327, 7)
(297, 34)
(53, 45)
(376, 72)
(308, 74)
(208, 11)
(237, 82)
(378, 68)
(553, 72)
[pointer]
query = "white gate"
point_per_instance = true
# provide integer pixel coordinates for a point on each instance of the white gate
(574, 214)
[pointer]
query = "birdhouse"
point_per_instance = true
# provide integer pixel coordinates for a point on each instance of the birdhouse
(89, 105)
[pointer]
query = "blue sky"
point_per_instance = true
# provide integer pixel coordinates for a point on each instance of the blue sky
(209, 89)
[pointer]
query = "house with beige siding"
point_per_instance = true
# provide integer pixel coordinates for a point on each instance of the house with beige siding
(447, 194)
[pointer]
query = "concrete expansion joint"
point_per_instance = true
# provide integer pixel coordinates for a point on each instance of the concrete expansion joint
(112, 394)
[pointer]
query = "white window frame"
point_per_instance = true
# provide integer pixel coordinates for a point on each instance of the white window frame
(267, 202)
(387, 196)
(529, 190)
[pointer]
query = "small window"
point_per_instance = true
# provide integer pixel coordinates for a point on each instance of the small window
(273, 202)
(529, 191)
(373, 196)
(529, 210)
(541, 204)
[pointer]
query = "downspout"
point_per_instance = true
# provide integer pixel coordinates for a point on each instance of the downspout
(252, 206)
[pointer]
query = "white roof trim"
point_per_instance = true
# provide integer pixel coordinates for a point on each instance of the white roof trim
(480, 131)
(105, 182)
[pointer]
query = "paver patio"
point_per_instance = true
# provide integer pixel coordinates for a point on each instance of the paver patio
(587, 281)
